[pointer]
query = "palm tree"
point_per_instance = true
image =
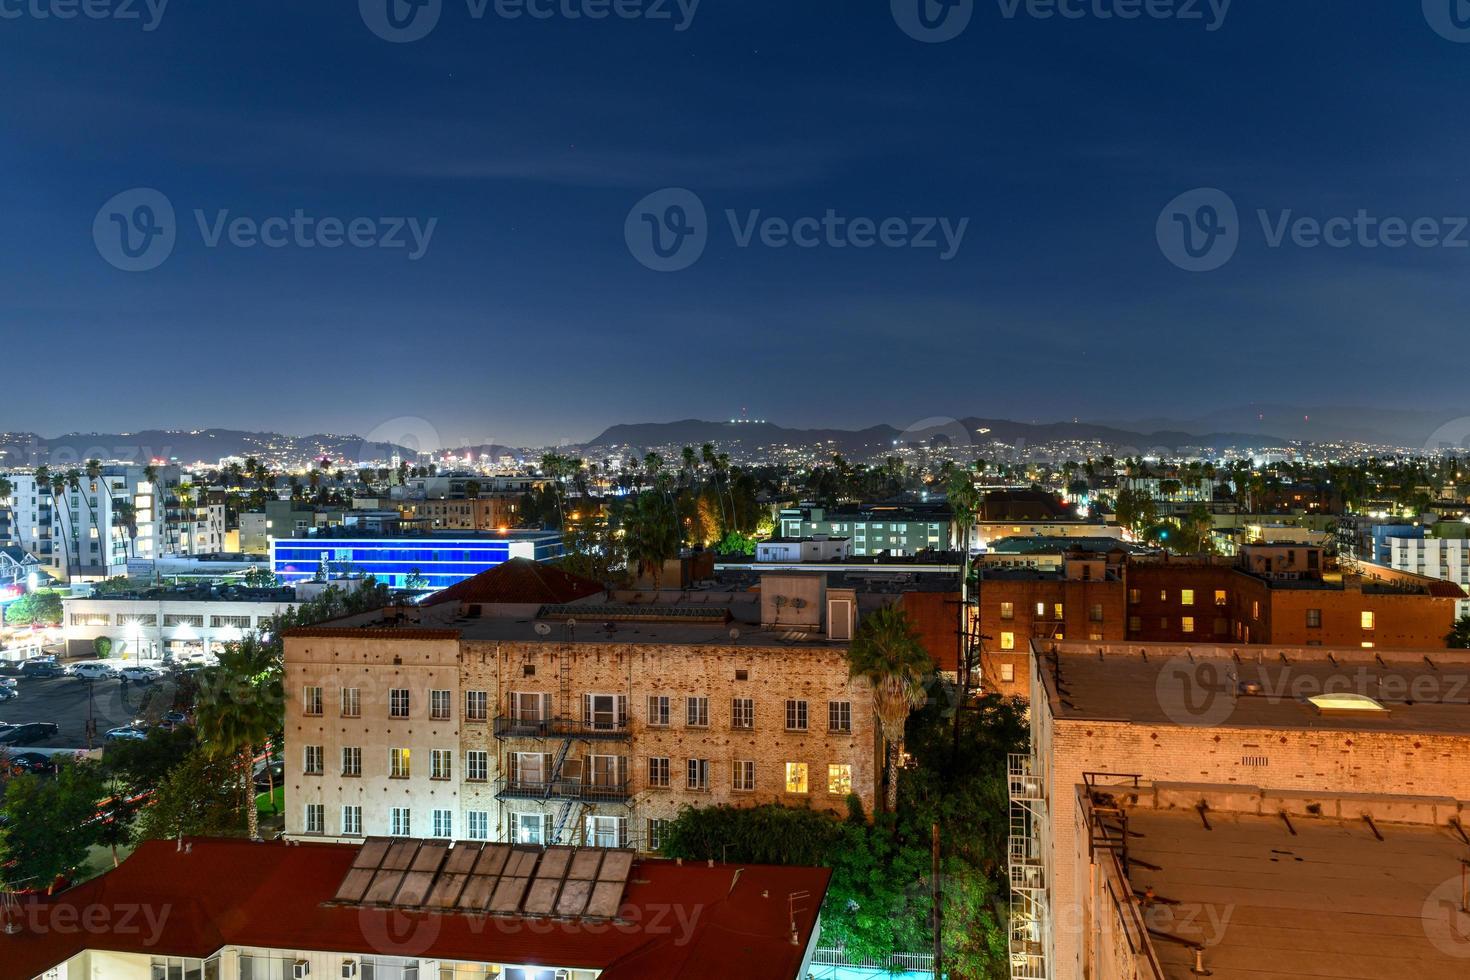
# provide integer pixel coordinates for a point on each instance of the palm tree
(888, 654)
(238, 710)
(651, 533)
(6, 488)
(58, 500)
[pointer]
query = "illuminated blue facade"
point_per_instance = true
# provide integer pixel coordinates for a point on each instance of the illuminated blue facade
(441, 560)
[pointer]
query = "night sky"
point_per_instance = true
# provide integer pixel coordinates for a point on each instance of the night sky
(528, 318)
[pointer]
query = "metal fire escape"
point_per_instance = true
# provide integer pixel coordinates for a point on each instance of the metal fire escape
(1029, 920)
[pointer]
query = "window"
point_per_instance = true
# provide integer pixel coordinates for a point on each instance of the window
(1007, 610)
(656, 829)
(398, 764)
(1135, 596)
(1220, 597)
(839, 716)
(527, 828)
(312, 762)
(399, 824)
(398, 702)
(1095, 613)
(439, 705)
(697, 774)
(1186, 623)
(441, 762)
(1255, 609)
(476, 705)
(351, 760)
(315, 820)
(658, 771)
(230, 622)
(696, 712)
(528, 769)
(1314, 619)
(477, 824)
(742, 713)
(1008, 641)
(443, 823)
(839, 779)
(1056, 611)
(477, 766)
(195, 621)
(352, 821)
(606, 832)
(1008, 672)
(1040, 609)
(1368, 619)
(351, 702)
(658, 711)
(605, 712)
(742, 775)
(796, 777)
(1163, 622)
(1186, 597)
(1135, 624)
(796, 716)
(311, 701)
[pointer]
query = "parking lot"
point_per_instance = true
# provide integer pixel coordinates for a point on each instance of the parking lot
(64, 700)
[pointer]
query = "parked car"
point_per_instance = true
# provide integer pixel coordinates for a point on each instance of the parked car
(143, 675)
(277, 776)
(32, 762)
(127, 732)
(6, 693)
(29, 733)
(9, 682)
(93, 672)
(41, 667)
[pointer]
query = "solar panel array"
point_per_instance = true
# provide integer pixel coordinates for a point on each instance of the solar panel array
(495, 879)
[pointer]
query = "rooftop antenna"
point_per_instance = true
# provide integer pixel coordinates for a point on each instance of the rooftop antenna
(791, 900)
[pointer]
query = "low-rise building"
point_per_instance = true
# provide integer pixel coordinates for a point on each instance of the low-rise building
(819, 547)
(169, 623)
(875, 529)
(428, 560)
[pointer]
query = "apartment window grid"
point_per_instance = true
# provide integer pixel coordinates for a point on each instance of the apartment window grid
(742, 713)
(351, 702)
(742, 775)
(1007, 610)
(351, 821)
(656, 831)
(477, 765)
(312, 760)
(795, 716)
(398, 764)
(476, 705)
(658, 772)
(316, 821)
(398, 702)
(697, 774)
(839, 717)
(1314, 619)
(658, 711)
(441, 763)
(796, 777)
(351, 760)
(311, 701)
(400, 823)
(696, 712)
(439, 702)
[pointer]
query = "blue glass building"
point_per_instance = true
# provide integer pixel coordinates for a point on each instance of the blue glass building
(443, 559)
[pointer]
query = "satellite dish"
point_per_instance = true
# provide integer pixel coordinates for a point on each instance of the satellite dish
(571, 624)
(542, 629)
(734, 634)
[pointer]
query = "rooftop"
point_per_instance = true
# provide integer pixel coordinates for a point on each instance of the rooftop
(198, 593)
(1255, 686)
(345, 532)
(672, 920)
(1269, 885)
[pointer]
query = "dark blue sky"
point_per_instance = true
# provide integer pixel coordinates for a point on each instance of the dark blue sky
(527, 319)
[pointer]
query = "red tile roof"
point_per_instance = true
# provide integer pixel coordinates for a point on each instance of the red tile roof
(689, 920)
(519, 580)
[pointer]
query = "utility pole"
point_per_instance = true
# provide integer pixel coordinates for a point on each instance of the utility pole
(938, 902)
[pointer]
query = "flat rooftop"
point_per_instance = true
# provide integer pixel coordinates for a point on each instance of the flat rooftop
(1272, 897)
(1256, 686)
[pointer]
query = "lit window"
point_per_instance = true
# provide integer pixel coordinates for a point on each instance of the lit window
(1135, 596)
(1008, 641)
(1219, 597)
(1367, 619)
(1041, 609)
(1008, 673)
(1186, 597)
(1186, 623)
(398, 763)
(1314, 619)
(839, 779)
(796, 777)
(1007, 610)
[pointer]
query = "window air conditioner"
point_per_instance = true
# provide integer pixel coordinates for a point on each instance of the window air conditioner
(300, 969)
(349, 969)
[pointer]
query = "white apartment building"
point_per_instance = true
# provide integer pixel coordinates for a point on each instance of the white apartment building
(163, 624)
(1447, 559)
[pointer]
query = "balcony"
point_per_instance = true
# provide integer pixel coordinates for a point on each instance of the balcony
(508, 727)
(561, 789)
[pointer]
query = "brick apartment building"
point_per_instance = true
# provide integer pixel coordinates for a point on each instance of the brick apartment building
(1280, 594)
(587, 721)
(489, 512)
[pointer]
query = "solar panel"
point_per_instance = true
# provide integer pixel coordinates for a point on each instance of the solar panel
(616, 866)
(607, 898)
(355, 885)
(421, 874)
(509, 892)
(370, 854)
(585, 865)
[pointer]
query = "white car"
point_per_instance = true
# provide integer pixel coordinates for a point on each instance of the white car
(9, 682)
(93, 672)
(143, 675)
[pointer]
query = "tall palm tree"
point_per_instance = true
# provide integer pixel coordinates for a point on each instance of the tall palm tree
(651, 533)
(104, 536)
(239, 705)
(6, 488)
(59, 482)
(888, 655)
